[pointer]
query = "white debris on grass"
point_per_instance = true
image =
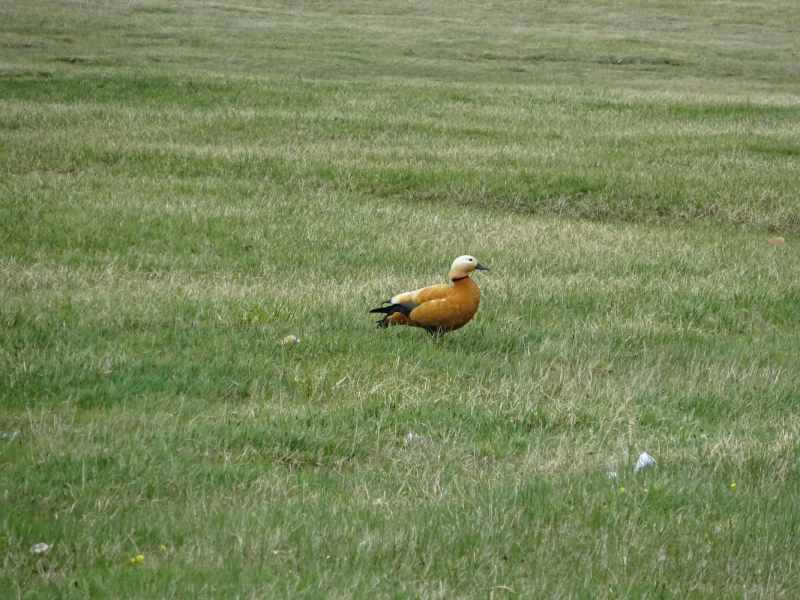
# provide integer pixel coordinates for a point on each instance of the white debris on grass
(643, 461)
(41, 548)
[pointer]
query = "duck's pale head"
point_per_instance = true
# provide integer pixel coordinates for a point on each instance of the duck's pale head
(464, 265)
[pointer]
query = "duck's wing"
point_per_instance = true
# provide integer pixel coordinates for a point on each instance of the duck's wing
(406, 302)
(423, 295)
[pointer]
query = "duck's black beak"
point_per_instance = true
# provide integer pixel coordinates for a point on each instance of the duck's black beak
(481, 267)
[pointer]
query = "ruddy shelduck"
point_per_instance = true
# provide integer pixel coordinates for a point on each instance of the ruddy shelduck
(437, 308)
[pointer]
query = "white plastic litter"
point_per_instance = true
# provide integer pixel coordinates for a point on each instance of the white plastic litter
(40, 548)
(643, 461)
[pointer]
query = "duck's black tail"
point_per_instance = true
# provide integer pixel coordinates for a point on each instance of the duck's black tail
(388, 311)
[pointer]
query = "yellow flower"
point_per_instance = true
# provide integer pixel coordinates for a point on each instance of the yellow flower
(621, 490)
(646, 490)
(733, 485)
(137, 558)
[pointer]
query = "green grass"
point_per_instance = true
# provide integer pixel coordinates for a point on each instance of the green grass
(182, 184)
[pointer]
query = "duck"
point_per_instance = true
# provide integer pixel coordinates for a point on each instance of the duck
(439, 308)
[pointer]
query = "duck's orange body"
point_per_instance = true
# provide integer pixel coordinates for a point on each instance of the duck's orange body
(437, 308)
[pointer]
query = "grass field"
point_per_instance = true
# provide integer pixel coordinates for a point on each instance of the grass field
(183, 184)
